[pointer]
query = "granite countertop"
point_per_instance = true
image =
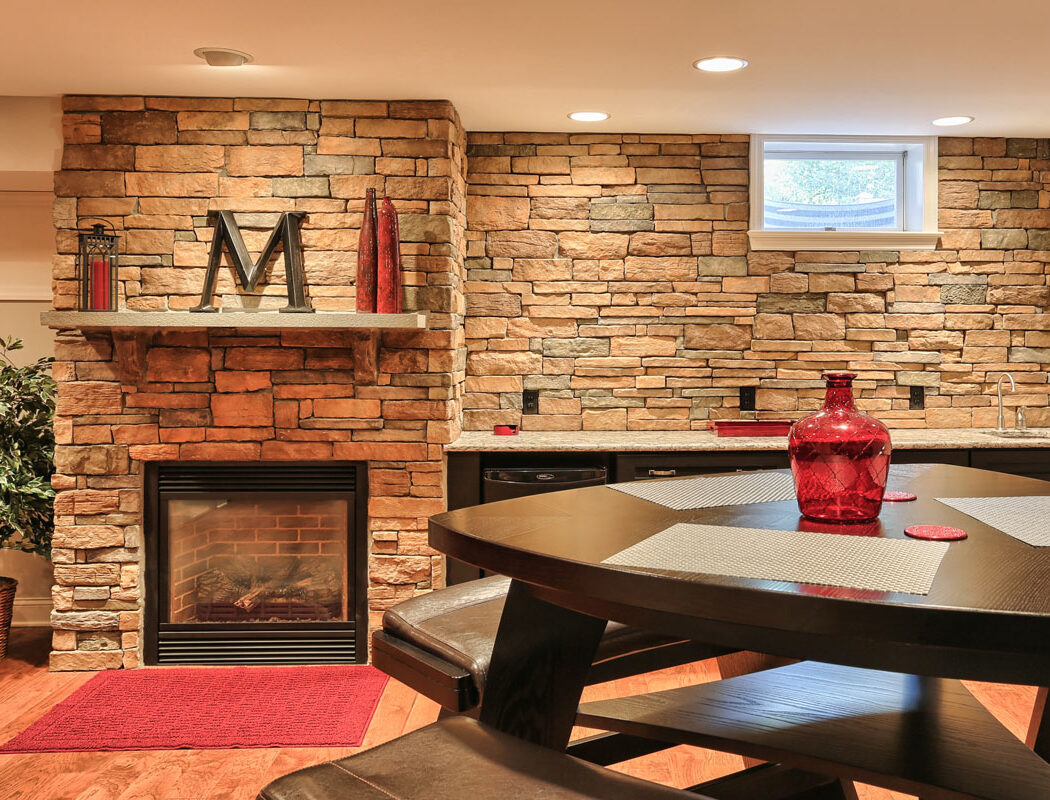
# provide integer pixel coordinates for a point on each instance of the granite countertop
(649, 441)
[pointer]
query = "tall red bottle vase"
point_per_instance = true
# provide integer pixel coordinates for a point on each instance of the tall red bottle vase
(388, 279)
(367, 256)
(840, 457)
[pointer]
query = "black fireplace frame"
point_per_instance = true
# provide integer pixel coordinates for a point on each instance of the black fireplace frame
(167, 643)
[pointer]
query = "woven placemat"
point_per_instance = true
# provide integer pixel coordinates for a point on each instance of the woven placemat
(716, 490)
(854, 562)
(1024, 518)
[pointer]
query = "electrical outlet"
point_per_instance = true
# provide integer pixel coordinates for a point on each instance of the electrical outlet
(747, 398)
(916, 398)
(530, 401)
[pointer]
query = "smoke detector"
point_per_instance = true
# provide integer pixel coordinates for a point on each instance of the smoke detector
(223, 56)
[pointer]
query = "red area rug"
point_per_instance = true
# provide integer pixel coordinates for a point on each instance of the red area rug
(210, 708)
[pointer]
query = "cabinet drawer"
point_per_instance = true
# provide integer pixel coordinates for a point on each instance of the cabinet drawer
(641, 467)
(960, 458)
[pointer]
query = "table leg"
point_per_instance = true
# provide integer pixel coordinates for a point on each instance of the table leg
(917, 726)
(846, 790)
(744, 662)
(538, 669)
(1039, 730)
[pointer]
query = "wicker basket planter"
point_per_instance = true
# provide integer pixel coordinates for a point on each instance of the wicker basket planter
(7, 603)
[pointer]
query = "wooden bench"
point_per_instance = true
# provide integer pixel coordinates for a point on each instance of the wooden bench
(462, 759)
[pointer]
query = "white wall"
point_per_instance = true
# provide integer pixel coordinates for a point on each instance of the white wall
(30, 141)
(27, 241)
(30, 151)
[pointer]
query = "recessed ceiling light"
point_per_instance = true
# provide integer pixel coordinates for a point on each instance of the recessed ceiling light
(223, 56)
(947, 122)
(720, 64)
(588, 116)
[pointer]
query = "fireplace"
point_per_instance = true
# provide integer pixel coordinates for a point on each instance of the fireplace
(255, 563)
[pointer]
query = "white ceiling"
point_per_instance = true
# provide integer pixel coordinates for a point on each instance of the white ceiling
(817, 66)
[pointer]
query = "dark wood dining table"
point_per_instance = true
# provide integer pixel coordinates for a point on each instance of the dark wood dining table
(875, 695)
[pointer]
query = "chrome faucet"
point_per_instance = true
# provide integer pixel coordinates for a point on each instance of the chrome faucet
(999, 391)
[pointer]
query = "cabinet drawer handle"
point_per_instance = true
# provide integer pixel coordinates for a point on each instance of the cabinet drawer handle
(662, 473)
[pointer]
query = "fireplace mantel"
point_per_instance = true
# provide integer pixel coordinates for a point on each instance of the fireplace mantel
(133, 331)
(258, 320)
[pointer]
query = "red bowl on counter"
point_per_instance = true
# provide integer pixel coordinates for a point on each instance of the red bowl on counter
(752, 427)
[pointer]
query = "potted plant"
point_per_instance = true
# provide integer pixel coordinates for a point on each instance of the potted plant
(27, 450)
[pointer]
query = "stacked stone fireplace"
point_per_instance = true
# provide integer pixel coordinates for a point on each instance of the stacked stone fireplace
(130, 400)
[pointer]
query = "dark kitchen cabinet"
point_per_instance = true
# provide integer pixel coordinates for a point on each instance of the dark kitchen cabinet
(960, 458)
(1029, 462)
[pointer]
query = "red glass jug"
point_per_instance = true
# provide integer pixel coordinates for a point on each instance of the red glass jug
(840, 457)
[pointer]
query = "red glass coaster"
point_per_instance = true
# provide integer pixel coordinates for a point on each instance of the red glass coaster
(897, 497)
(938, 532)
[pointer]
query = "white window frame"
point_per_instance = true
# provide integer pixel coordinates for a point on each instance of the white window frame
(916, 200)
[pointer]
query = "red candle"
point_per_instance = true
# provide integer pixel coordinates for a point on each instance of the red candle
(388, 279)
(366, 256)
(99, 288)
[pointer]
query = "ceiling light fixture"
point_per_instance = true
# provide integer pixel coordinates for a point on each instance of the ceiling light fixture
(947, 122)
(223, 56)
(720, 64)
(588, 116)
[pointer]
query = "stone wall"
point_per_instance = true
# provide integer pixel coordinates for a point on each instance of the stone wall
(155, 167)
(612, 273)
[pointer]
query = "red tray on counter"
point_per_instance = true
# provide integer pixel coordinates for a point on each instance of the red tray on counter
(751, 427)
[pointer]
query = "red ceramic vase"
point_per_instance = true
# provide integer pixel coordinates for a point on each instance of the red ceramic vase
(840, 457)
(367, 256)
(388, 276)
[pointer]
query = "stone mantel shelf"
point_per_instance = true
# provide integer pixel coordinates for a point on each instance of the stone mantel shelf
(133, 331)
(259, 320)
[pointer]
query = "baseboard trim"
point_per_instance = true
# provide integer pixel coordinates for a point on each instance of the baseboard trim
(31, 612)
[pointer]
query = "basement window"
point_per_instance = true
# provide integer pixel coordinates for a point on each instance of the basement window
(843, 192)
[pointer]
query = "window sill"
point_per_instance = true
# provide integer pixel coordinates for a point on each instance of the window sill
(843, 240)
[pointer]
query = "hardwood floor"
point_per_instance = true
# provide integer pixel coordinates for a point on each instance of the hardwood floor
(28, 690)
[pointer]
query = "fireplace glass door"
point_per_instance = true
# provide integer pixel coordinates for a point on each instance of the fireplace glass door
(257, 563)
(257, 559)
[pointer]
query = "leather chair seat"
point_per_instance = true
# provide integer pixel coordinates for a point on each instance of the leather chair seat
(454, 630)
(460, 758)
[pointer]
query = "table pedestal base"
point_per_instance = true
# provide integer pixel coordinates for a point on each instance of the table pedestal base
(539, 667)
(909, 734)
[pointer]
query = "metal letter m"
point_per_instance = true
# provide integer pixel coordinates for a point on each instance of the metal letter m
(285, 233)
